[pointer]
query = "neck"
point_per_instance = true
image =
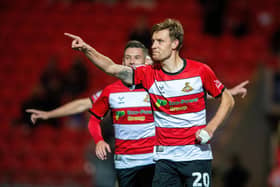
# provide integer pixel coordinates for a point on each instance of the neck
(172, 64)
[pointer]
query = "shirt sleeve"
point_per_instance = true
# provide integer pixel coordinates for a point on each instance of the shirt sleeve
(94, 129)
(210, 82)
(140, 75)
(95, 96)
(98, 110)
(101, 105)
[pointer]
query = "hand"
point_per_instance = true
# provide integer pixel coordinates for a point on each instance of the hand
(37, 114)
(101, 150)
(77, 43)
(240, 89)
(203, 135)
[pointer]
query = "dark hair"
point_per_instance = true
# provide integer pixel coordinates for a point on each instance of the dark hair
(136, 44)
(175, 28)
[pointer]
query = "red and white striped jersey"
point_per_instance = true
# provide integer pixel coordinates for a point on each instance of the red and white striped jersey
(179, 101)
(133, 123)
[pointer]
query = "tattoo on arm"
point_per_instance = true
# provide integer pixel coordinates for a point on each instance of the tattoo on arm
(126, 75)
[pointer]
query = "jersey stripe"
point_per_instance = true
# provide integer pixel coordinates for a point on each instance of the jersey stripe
(128, 99)
(134, 132)
(180, 120)
(178, 87)
(130, 161)
(179, 105)
(184, 153)
(177, 136)
(141, 146)
(137, 115)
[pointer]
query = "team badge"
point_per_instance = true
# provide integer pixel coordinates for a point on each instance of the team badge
(147, 99)
(187, 87)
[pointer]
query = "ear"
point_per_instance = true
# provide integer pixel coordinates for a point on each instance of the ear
(175, 44)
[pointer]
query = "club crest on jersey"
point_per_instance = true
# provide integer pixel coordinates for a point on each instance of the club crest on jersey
(147, 99)
(121, 100)
(218, 83)
(119, 114)
(187, 87)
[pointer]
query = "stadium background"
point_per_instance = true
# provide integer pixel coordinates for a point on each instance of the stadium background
(31, 32)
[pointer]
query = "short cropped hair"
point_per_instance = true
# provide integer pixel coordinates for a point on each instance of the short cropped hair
(175, 28)
(136, 44)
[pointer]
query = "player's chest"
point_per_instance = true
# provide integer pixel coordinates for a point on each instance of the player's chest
(177, 87)
(129, 99)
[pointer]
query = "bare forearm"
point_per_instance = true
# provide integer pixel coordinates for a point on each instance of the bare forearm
(239, 89)
(104, 63)
(227, 103)
(74, 107)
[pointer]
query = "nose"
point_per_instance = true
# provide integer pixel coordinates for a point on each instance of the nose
(132, 61)
(154, 45)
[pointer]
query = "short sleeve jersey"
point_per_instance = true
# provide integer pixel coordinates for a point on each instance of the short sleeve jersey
(95, 96)
(133, 123)
(179, 101)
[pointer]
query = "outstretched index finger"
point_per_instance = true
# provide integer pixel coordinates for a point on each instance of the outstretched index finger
(71, 35)
(244, 83)
(31, 110)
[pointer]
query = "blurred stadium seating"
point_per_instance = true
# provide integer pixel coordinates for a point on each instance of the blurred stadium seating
(32, 31)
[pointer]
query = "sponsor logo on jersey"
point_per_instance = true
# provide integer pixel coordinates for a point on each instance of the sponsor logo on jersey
(161, 102)
(131, 114)
(176, 109)
(136, 118)
(136, 112)
(183, 101)
(187, 87)
(119, 114)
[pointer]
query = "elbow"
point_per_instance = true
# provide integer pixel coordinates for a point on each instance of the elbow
(110, 71)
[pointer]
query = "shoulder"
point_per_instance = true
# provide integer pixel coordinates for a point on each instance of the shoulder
(95, 96)
(107, 89)
(197, 65)
(148, 67)
(115, 87)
